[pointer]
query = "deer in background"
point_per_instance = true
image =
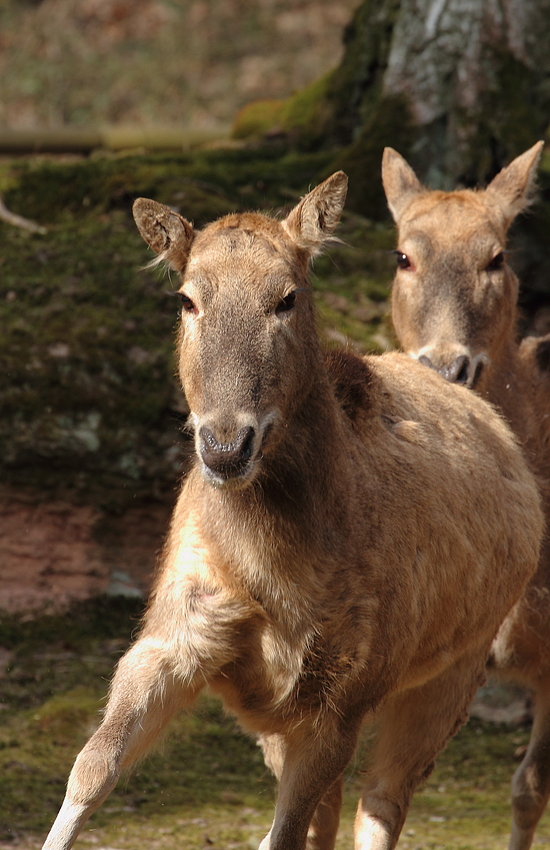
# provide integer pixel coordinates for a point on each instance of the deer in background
(454, 309)
(346, 544)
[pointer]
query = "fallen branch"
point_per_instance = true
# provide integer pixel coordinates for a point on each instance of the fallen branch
(18, 220)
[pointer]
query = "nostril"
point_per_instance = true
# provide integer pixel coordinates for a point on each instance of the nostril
(457, 372)
(246, 437)
(463, 368)
(426, 361)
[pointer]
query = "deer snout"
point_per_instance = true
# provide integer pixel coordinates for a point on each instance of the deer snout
(463, 369)
(224, 461)
(455, 372)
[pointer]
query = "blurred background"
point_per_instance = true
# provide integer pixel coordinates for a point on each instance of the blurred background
(158, 62)
(209, 106)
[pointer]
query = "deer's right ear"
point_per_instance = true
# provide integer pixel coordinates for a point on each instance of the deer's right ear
(165, 231)
(400, 182)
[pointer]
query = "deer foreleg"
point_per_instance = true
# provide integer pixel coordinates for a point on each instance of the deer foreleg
(531, 782)
(323, 826)
(145, 694)
(308, 800)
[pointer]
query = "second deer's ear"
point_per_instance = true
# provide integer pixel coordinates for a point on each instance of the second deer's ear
(165, 231)
(400, 182)
(513, 187)
(315, 218)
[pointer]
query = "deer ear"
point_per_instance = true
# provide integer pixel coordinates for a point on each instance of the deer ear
(400, 182)
(513, 188)
(315, 218)
(165, 231)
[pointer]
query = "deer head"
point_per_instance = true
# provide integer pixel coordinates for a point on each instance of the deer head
(248, 349)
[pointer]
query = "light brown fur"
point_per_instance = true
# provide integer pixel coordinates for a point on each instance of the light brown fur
(456, 312)
(347, 542)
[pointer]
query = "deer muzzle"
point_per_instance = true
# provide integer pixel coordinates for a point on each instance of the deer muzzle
(224, 461)
(464, 369)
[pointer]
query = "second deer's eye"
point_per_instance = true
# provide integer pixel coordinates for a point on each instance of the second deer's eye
(286, 303)
(186, 303)
(403, 261)
(496, 263)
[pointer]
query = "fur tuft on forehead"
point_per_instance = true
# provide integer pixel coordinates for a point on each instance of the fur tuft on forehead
(253, 223)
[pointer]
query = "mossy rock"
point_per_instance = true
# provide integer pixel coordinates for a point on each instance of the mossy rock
(259, 118)
(88, 394)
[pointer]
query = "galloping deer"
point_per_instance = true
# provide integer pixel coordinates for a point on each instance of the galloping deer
(345, 545)
(454, 309)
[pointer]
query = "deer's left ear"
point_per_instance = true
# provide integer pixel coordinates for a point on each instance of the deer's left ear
(165, 231)
(513, 188)
(315, 218)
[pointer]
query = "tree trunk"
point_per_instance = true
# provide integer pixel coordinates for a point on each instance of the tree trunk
(460, 87)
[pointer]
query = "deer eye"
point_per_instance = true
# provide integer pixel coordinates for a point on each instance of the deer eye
(403, 261)
(186, 303)
(286, 303)
(496, 263)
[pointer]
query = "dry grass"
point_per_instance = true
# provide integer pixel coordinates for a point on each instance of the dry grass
(185, 62)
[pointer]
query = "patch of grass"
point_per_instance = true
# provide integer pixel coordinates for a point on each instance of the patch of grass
(205, 784)
(51, 695)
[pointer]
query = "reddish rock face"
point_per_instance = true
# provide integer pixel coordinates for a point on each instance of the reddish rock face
(53, 552)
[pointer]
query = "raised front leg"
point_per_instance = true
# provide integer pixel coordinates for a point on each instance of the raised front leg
(415, 726)
(531, 782)
(144, 696)
(315, 756)
(190, 634)
(321, 834)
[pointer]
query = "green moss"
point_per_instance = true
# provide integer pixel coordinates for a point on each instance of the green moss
(351, 283)
(258, 118)
(202, 185)
(389, 124)
(65, 714)
(355, 87)
(306, 113)
(86, 351)
(301, 117)
(88, 397)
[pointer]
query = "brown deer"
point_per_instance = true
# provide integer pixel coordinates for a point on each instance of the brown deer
(347, 542)
(454, 309)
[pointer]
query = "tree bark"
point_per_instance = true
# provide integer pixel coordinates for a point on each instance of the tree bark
(460, 87)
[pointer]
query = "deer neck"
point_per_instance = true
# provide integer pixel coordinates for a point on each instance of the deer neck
(273, 533)
(503, 385)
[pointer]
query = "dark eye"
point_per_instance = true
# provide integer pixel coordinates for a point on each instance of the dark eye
(496, 263)
(403, 261)
(186, 303)
(286, 303)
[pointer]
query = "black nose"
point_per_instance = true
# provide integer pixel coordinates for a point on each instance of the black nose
(226, 460)
(456, 373)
